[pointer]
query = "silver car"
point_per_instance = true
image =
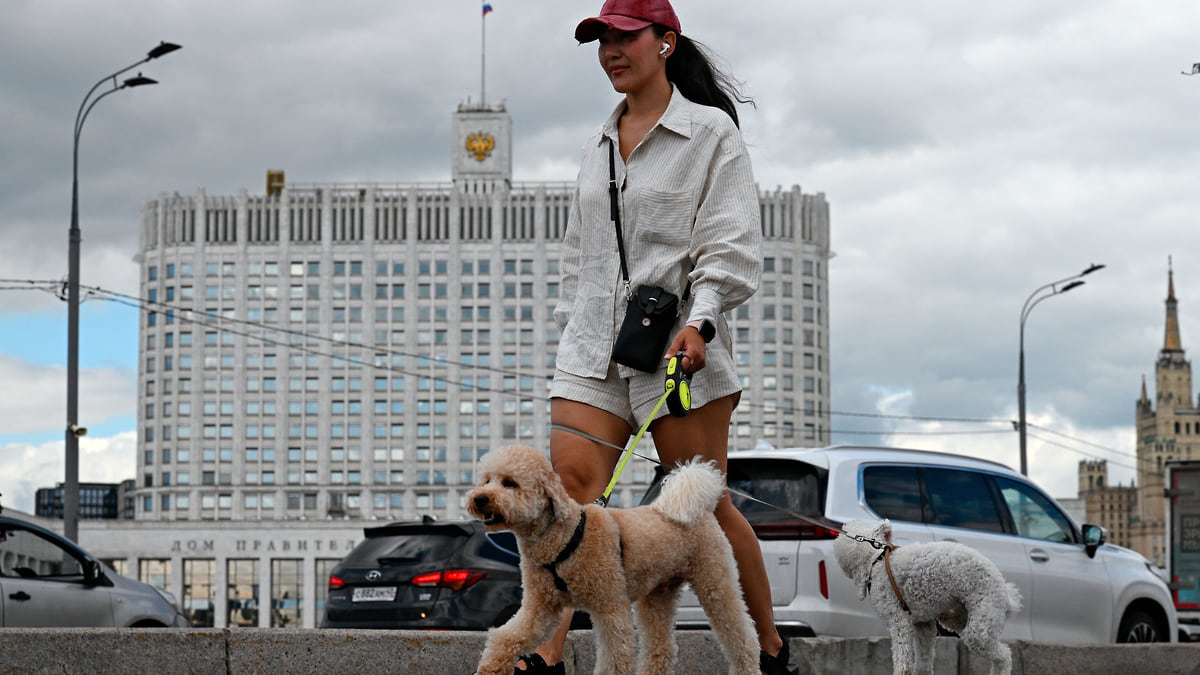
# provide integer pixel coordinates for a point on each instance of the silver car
(46, 581)
(1076, 587)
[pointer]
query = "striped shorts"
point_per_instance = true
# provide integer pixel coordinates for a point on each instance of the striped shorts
(632, 399)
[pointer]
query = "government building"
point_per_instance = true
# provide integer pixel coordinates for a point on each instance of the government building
(325, 356)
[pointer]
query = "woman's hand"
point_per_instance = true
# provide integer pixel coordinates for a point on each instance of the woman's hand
(694, 348)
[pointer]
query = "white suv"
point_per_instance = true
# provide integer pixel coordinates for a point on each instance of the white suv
(1076, 588)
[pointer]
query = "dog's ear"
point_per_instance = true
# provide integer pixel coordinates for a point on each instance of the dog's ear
(556, 495)
(884, 532)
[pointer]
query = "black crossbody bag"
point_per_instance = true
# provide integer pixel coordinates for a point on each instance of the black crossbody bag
(652, 310)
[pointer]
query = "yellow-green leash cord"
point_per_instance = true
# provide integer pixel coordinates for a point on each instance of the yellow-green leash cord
(603, 499)
(675, 376)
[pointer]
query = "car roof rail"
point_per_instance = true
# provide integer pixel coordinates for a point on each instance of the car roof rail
(845, 448)
(915, 451)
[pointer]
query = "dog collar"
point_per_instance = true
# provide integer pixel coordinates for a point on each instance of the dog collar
(573, 544)
(553, 518)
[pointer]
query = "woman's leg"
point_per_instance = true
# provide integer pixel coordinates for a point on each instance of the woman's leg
(585, 467)
(704, 432)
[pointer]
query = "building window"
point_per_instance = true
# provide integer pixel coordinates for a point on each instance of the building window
(155, 571)
(199, 593)
(242, 598)
(287, 587)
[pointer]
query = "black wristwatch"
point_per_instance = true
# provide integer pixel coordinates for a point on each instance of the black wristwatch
(707, 330)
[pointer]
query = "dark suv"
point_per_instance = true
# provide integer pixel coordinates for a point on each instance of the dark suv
(426, 574)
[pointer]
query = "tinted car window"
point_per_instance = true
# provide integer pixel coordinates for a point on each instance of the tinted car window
(796, 486)
(1033, 514)
(961, 499)
(25, 554)
(499, 546)
(383, 550)
(893, 492)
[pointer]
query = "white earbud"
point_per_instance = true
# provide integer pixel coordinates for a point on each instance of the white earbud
(666, 48)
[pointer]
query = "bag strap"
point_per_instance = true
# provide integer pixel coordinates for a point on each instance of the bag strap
(614, 211)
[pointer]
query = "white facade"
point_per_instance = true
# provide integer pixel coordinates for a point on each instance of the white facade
(350, 350)
(247, 574)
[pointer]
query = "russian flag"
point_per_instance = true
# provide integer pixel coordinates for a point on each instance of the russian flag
(487, 7)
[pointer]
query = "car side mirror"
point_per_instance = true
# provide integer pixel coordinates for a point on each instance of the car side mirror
(1094, 537)
(93, 573)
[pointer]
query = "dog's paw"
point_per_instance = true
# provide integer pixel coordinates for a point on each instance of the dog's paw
(493, 666)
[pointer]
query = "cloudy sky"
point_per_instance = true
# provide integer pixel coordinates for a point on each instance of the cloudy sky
(970, 153)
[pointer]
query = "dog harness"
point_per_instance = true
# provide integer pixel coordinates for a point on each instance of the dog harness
(887, 565)
(573, 544)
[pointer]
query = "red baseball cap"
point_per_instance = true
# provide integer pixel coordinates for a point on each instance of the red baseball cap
(628, 15)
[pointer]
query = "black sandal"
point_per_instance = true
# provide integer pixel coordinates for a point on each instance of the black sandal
(536, 665)
(778, 664)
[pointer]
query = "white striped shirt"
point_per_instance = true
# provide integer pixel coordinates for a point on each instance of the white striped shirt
(689, 210)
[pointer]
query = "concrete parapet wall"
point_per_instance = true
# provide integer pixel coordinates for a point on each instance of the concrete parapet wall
(260, 650)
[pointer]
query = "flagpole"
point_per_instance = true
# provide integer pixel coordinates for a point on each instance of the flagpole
(482, 60)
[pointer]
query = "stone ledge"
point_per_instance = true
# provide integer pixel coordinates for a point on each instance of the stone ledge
(264, 650)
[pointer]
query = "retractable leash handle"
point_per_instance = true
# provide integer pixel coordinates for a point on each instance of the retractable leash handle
(678, 386)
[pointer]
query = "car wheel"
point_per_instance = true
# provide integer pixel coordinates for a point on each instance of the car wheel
(1140, 626)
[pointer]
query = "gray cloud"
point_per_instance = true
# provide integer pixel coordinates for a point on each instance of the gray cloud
(971, 153)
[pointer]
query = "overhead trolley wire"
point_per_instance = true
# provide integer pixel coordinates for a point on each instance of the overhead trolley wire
(212, 320)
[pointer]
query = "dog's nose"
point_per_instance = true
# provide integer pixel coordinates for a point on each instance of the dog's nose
(481, 501)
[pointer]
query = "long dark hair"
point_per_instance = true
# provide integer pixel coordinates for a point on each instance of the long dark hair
(691, 68)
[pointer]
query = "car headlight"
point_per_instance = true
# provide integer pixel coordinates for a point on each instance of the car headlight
(168, 596)
(1157, 573)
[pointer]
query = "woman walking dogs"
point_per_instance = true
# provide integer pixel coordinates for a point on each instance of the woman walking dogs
(684, 203)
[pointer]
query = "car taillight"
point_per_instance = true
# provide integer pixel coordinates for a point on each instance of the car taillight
(335, 583)
(455, 580)
(792, 529)
(823, 580)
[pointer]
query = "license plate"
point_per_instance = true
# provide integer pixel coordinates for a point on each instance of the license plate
(374, 594)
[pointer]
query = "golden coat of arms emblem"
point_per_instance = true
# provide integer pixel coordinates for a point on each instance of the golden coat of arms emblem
(480, 145)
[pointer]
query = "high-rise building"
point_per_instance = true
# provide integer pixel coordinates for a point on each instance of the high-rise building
(1109, 506)
(96, 501)
(1168, 427)
(351, 350)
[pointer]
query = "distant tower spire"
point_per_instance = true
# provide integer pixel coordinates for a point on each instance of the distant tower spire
(1145, 397)
(1172, 341)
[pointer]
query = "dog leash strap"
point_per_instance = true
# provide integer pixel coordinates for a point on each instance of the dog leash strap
(628, 452)
(596, 439)
(593, 438)
(603, 500)
(887, 563)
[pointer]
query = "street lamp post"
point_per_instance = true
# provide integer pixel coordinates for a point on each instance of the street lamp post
(74, 430)
(1048, 291)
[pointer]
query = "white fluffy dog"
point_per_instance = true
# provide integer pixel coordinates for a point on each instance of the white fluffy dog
(602, 560)
(917, 586)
